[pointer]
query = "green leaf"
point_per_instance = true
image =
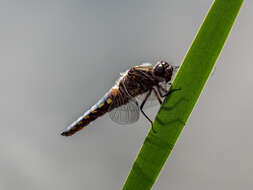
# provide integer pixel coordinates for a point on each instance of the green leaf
(177, 107)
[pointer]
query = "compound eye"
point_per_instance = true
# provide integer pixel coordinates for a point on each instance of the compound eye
(159, 69)
(170, 68)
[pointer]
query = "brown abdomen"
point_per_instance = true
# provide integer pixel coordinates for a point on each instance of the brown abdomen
(93, 113)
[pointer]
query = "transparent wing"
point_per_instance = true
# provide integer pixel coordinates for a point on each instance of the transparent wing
(125, 114)
(146, 64)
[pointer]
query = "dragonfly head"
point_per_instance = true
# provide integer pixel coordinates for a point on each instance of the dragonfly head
(164, 70)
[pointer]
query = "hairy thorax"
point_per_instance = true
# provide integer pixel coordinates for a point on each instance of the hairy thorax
(136, 82)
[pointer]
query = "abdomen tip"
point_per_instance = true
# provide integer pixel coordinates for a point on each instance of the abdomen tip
(65, 133)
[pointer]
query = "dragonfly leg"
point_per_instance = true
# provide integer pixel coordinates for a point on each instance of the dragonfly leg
(141, 108)
(171, 91)
(157, 96)
(160, 89)
(167, 92)
(163, 89)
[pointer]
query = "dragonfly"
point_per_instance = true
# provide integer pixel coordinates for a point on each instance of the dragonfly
(121, 101)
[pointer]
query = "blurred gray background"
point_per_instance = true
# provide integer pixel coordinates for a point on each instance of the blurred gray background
(59, 57)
